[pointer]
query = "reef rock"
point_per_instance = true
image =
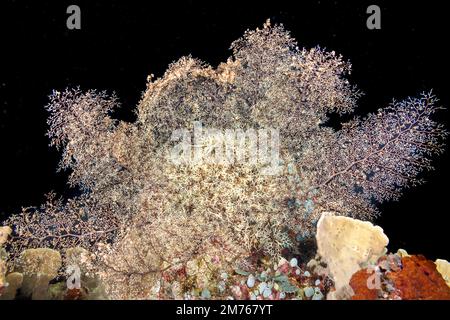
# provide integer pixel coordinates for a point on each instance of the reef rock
(403, 253)
(41, 261)
(38, 266)
(2, 275)
(4, 234)
(344, 244)
(14, 282)
(394, 277)
(358, 282)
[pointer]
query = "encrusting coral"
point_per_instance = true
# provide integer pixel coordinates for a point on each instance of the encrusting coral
(143, 215)
(14, 281)
(4, 234)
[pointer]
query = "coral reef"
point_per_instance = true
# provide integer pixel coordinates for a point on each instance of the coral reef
(4, 233)
(38, 267)
(419, 279)
(2, 270)
(264, 281)
(443, 267)
(406, 278)
(38, 276)
(14, 281)
(361, 290)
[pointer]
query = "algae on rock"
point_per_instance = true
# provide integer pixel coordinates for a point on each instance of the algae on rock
(39, 267)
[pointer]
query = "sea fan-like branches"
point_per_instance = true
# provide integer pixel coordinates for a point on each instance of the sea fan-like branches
(378, 156)
(57, 225)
